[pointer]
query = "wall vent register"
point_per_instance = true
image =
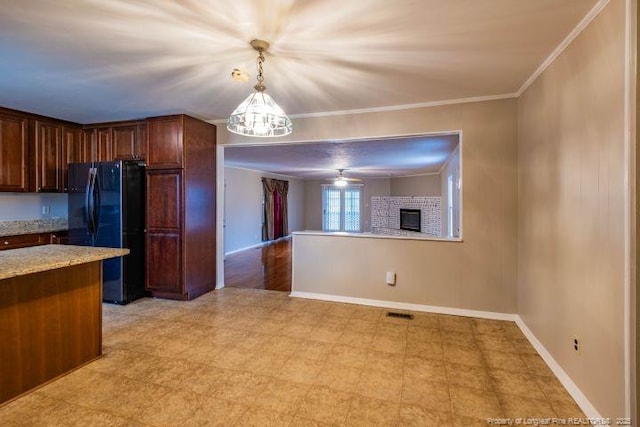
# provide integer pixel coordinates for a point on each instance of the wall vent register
(400, 315)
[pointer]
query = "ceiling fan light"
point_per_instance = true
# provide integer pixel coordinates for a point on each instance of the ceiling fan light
(340, 182)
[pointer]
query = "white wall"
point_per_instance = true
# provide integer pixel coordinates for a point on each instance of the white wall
(313, 204)
(571, 209)
(417, 185)
(296, 202)
(452, 167)
(243, 207)
(21, 206)
(431, 271)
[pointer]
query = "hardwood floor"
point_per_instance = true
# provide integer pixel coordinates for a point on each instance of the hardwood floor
(266, 267)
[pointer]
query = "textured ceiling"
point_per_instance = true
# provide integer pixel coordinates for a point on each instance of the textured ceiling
(360, 159)
(97, 60)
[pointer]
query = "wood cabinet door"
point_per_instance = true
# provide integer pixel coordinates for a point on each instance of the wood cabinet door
(88, 150)
(72, 140)
(14, 153)
(23, 241)
(124, 140)
(164, 142)
(141, 142)
(164, 200)
(47, 157)
(164, 262)
(164, 231)
(103, 145)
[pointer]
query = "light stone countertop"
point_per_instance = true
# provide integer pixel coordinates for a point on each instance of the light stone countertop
(20, 262)
(32, 226)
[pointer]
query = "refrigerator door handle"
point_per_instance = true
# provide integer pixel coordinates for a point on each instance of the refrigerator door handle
(90, 201)
(87, 202)
(96, 201)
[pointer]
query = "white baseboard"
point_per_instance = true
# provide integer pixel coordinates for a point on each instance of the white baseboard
(577, 395)
(257, 245)
(589, 410)
(406, 306)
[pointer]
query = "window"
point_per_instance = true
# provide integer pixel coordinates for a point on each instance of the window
(341, 208)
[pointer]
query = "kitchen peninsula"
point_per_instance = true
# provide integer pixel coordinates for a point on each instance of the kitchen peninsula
(50, 313)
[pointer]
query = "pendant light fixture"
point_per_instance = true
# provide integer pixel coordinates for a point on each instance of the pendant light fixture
(259, 115)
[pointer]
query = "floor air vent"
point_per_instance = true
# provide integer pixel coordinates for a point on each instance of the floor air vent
(400, 315)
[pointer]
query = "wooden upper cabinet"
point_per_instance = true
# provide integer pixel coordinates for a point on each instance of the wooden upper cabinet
(72, 151)
(46, 161)
(86, 152)
(124, 142)
(97, 144)
(14, 153)
(72, 145)
(103, 145)
(164, 142)
(141, 143)
(129, 142)
(88, 145)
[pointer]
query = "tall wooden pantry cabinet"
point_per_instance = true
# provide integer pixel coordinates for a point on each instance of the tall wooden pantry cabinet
(181, 207)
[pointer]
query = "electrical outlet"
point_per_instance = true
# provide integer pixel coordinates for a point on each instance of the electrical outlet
(45, 210)
(391, 278)
(575, 343)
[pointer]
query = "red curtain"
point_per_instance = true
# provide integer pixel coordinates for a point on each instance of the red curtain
(276, 221)
(277, 215)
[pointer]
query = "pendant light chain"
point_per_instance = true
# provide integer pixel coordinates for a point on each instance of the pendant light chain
(260, 62)
(260, 87)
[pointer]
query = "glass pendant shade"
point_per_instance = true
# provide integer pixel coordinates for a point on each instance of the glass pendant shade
(259, 115)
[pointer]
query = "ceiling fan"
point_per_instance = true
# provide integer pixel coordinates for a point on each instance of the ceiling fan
(341, 181)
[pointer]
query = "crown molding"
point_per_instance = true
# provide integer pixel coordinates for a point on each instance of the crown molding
(392, 107)
(562, 46)
(404, 106)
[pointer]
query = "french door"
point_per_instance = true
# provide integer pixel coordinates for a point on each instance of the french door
(341, 208)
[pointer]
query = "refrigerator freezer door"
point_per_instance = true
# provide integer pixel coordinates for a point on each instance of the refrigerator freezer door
(79, 214)
(133, 229)
(109, 230)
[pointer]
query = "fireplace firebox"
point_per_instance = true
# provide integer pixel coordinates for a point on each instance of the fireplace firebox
(410, 219)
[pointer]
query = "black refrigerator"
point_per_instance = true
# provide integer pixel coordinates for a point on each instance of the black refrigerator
(106, 208)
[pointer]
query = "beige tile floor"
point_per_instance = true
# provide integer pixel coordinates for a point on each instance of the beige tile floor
(243, 357)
